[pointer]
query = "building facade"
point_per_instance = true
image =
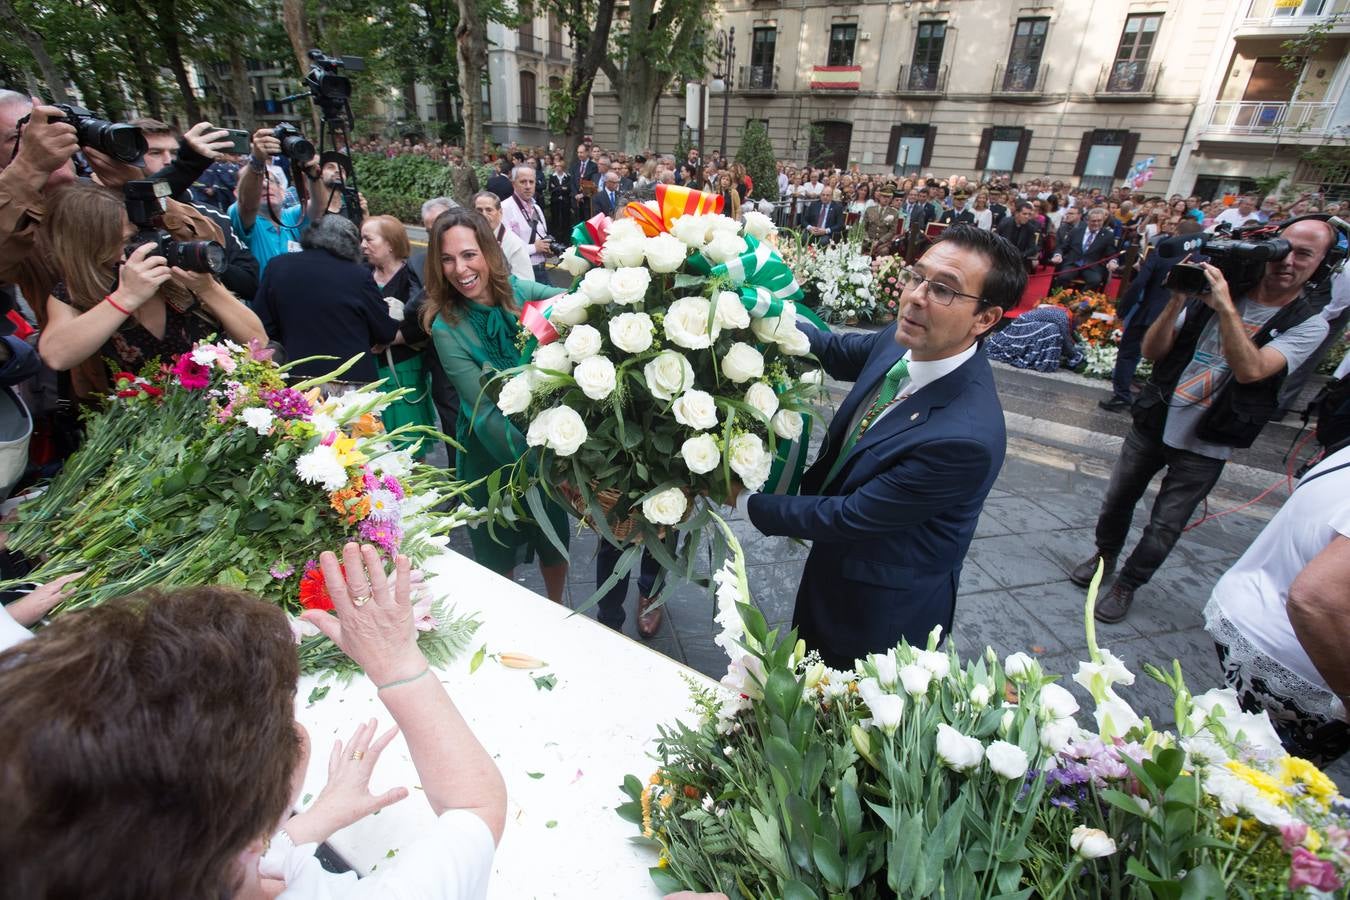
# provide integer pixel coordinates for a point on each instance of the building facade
(524, 65)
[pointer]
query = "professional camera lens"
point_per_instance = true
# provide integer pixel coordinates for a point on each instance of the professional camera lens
(121, 142)
(293, 144)
(196, 256)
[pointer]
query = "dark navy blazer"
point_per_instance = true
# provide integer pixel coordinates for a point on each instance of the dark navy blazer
(891, 531)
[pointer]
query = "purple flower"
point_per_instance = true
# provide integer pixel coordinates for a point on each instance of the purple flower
(287, 403)
(280, 570)
(384, 534)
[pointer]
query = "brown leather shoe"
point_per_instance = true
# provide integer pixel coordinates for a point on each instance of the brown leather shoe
(649, 619)
(1115, 605)
(1083, 573)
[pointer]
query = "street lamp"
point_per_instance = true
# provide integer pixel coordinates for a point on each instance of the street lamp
(724, 54)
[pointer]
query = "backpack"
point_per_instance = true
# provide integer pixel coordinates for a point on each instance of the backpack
(1331, 407)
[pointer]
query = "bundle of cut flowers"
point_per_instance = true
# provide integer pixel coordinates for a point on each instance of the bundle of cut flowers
(917, 774)
(672, 367)
(887, 284)
(839, 278)
(212, 469)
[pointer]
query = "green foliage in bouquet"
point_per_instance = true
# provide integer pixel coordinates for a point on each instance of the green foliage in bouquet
(215, 471)
(917, 775)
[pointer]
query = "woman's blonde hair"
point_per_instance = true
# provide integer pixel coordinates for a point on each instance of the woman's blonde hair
(394, 234)
(444, 298)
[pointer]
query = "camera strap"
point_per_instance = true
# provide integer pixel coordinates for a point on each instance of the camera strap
(529, 214)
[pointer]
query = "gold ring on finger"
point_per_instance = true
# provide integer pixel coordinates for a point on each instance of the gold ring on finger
(357, 755)
(361, 599)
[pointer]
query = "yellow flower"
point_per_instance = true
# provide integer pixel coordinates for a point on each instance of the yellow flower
(663, 862)
(1268, 786)
(1302, 777)
(666, 800)
(1313, 841)
(347, 453)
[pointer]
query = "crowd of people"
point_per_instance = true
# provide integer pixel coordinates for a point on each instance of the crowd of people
(890, 505)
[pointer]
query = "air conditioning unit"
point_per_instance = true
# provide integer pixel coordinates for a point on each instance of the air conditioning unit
(864, 35)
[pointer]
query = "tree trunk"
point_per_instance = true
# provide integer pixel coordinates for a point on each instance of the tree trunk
(147, 78)
(654, 37)
(56, 84)
(241, 89)
(166, 29)
(440, 23)
(297, 29)
(471, 42)
(589, 46)
(638, 92)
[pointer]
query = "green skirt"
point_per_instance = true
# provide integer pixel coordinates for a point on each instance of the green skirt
(417, 408)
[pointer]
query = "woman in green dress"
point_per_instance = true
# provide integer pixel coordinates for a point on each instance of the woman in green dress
(472, 310)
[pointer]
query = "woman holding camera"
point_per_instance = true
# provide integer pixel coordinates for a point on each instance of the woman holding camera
(130, 306)
(472, 311)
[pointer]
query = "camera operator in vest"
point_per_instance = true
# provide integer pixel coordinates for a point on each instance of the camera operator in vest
(1220, 354)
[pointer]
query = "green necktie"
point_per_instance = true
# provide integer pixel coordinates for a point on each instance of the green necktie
(890, 386)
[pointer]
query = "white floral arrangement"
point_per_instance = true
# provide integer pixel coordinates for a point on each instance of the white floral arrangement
(841, 277)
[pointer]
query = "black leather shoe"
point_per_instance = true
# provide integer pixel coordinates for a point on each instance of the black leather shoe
(1115, 605)
(1083, 573)
(1115, 404)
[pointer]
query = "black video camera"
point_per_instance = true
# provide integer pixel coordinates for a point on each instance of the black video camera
(146, 202)
(120, 141)
(294, 145)
(1240, 255)
(330, 89)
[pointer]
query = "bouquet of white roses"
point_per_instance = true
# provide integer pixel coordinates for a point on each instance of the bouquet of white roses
(672, 368)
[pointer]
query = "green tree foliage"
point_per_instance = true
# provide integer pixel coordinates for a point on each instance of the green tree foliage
(756, 154)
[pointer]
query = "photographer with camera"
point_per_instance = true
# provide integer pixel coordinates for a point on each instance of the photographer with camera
(523, 216)
(152, 298)
(1219, 360)
(261, 190)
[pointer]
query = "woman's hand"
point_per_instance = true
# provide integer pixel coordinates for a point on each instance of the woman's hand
(200, 283)
(346, 798)
(31, 607)
(141, 276)
(374, 623)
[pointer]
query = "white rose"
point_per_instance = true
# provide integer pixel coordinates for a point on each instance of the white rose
(1018, 666)
(1006, 760)
(887, 668)
(795, 344)
(623, 252)
(934, 661)
(691, 231)
(758, 225)
(1057, 703)
(979, 696)
(625, 229)
(668, 375)
(595, 377)
(814, 376)
(573, 262)
(629, 285)
(582, 342)
(742, 363)
(721, 224)
(515, 396)
(915, 679)
(595, 286)
(725, 245)
(1091, 843)
(665, 508)
(665, 253)
(887, 710)
(564, 431)
(957, 751)
(553, 357)
(569, 309)
(631, 332)
(762, 399)
(730, 312)
(772, 329)
(537, 434)
(696, 409)
(749, 461)
(701, 454)
(787, 424)
(686, 323)
(1057, 734)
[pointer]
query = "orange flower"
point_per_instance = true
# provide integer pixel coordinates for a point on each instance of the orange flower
(367, 426)
(351, 502)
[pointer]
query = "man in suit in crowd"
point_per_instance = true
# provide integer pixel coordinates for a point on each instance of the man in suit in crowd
(500, 182)
(606, 200)
(824, 219)
(892, 500)
(1080, 257)
(1067, 224)
(1139, 306)
(997, 207)
(1019, 230)
(584, 169)
(960, 213)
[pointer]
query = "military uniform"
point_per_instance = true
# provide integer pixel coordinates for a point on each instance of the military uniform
(880, 223)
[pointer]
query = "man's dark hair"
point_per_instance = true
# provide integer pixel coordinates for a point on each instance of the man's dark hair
(152, 126)
(1007, 275)
(1021, 205)
(148, 742)
(335, 234)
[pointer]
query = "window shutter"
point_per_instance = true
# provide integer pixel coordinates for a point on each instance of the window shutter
(1084, 148)
(1020, 165)
(982, 155)
(928, 140)
(893, 146)
(1127, 148)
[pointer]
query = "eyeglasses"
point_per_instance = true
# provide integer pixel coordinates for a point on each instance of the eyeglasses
(937, 291)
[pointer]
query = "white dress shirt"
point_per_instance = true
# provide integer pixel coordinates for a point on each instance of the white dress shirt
(517, 220)
(517, 254)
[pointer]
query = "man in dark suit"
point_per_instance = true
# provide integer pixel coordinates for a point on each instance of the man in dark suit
(824, 219)
(892, 501)
(1139, 306)
(1072, 216)
(607, 199)
(1019, 230)
(500, 182)
(997, 208)
(584, 169)
(960, 213)
(1081, 256)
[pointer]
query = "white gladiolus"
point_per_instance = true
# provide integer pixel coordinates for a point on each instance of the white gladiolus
(1091, 843)
(731, 312)
(564, 431)
(1006, 760)
(569, 309)
(887, 711)
(686, 323)
(762, 399)
(553, 358)
(957, 751)
(1057, 703)
(631, 332)
(665, 508)
(915, 679)
(787, 424)
(979, 696)
(515, 396)
(696, 409)
(887, 668)
(742, 363)
(1114, 716)
(666, 253)
(934, 661)
(725, 245)
(701, 454)
(1019, 666)
(758, 225)
(595, 375)
(1098, 677)
(749, 460)
(595, 286)
(668, 375)
(574, 263)
(583, 342)
(629, 285)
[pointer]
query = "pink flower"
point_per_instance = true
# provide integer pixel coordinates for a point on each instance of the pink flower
(258, 351)
(1306, 869)
(1293, 835)
(192, 376)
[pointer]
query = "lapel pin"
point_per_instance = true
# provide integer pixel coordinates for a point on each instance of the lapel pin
(913, 416)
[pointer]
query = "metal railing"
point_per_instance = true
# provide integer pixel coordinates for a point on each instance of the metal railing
(1266, 14)
(529, 43)
(922, 79)
(1260, 117)
(1128, 78)
(531, 115)
(555, 49)
(758, 79)
(1019, 77)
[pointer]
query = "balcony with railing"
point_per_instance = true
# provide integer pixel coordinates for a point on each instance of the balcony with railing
(836, 79)
(531, 115)
(555, 50)
(1020, 78)
(1273, 16)
(922, 79)
(1268, 120)
(758, 80)
(529, 43)
(1128, 80)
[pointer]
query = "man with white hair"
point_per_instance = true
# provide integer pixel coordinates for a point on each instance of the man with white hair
(606, 199)
(523, 216)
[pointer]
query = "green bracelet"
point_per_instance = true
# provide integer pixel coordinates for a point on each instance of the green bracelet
(402, 681)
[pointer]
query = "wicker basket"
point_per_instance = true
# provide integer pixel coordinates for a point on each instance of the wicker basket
(606, 498)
